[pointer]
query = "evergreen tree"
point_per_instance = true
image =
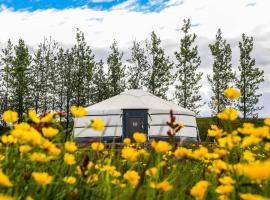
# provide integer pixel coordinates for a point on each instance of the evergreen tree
(223, 76)
(158, 76)
(100, 85)
(116, 71)
(187, 87)
(20, 76)
(6, 61)
(137, 68)
(83, 69)
(249, 80)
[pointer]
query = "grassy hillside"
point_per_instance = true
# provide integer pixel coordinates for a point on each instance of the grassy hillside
(204, 124)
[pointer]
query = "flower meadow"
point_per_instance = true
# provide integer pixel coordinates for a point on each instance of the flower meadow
(36, 164)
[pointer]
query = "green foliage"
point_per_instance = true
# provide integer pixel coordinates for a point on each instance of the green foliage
(187, 77)
(159, 75)
(223, 76)
(249, 80)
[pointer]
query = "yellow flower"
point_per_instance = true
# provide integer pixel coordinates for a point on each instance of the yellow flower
(69, 159)
(70, 147)
(97, 146)
(224, 189)
(40, 157)
(215, 131)
(8, 139)
(6, 197)
(24, 149)
(53, 150)
(267, 146)
(249, 156)
(161, 146)
(232, 93)
(249, 196)
(29, 198)
(78, 111)
(42, 178)
(256, 171)
(139, 137)
(198, 191)
(250, 140)
(267, 121)
(218, 166)
(127, 141)
(2, 157)
(69, 180)
(226, 180)
(47, 118)
(130, 154)
(33, 116)
(10, 116)
(97, 124)
(199, 153)
(164, 185)
(228, 114)
(181, 152)
(151, 171)
(4, 180)
(132, 177)
(49, 132)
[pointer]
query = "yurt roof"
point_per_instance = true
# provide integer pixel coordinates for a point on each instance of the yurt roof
(137, 99)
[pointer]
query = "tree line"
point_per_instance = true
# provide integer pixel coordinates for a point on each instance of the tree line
(54, 78)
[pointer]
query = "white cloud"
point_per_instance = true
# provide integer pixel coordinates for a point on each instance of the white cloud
(125, 25)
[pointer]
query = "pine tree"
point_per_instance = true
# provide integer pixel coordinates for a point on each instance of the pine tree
(116, 71)
(249, 80)
(158, 76)
(100, 85)
(137, 66)
(187, 87)
(20, 75)
(223, 76)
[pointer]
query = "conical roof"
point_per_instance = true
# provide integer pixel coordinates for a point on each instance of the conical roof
(137, 99)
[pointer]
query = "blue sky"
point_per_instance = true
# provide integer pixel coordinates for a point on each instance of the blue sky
(32, 5)
(104, 21)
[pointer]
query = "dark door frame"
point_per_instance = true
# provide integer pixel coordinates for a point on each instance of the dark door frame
(141, 113)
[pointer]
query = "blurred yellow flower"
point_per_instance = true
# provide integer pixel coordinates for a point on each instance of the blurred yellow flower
(33, 116)
(161, 146)
(69, 180)
(226, 180)
(78, 111)
(164, 185)
(132, 177)
(97, 124)
(69, 159)
(198, 191)
(250, 140)
(42, 178)
(6, 197)
(139, 137)
(228, 114)
(151, 171)
(10, 116)
(249, 196)
(181, 152)
(24, 149)
(224, 189)
(50, 132)
(4, 180)
(70, 146)
(267, 121)
(248, 156)
(47, 118)
(40, 157)
(256, 171)
(232, 93)
(97, 146)
(8, 139)
(215, 131)
(130, 154)
(2, 157)
(127, 141)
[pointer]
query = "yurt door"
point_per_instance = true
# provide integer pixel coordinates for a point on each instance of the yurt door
(134, 121)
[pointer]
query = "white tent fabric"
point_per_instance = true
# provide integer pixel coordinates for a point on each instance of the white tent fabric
(111, 112)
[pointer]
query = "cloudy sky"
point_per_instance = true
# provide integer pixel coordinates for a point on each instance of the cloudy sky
(102, 21)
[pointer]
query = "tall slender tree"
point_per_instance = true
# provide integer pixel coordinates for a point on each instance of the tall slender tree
(223, 76)
(159, 68)
(249, 80)
(100, 85)
(187, 75)
(137, 66)
(116, 70)
(20, 75)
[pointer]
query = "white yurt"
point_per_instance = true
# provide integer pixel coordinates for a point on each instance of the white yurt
(135, 111)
